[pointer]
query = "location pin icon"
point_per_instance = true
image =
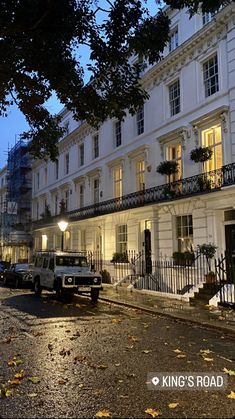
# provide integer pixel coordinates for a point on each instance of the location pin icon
(155, 381)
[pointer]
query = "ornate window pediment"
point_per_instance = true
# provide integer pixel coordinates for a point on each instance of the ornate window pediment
(180, 134)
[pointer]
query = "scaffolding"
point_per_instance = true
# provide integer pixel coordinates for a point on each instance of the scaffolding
(16, 222)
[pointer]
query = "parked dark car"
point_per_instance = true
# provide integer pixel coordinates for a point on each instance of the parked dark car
(18, 274)
(4, 265)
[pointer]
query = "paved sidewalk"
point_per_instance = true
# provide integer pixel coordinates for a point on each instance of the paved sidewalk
(215, 317)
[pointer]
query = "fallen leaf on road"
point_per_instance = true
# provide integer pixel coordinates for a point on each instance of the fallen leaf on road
(205, 351)
(173, 405)
(208, 359)
(102, 366)
(116, 321)
(123, 396)
(14, 381)
(61, 381)
(34, 380)
(103, 414)
(7, 340)
(32, 395)
(19, 375)
(229, 372)
(181, 356)
(153, 413)
(38, 334)
(98, 392)
(50, 347)
(63, 352)
(5, 392)
(177, 351)
(117, 365)
(133, 338)
(146, 351)
(221, 318)
(231, 395)
(14, 362)
(80, 385)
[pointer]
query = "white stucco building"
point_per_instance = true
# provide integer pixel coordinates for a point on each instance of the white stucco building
(108, 177)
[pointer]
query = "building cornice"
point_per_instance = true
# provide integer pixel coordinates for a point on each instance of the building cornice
(205, 38)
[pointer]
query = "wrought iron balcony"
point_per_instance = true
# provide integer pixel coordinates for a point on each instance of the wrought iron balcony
(203, 183)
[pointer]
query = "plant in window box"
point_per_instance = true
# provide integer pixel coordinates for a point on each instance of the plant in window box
(208, 250)
(204, 183)
(201, 154)
(120, 257)
(168, 167)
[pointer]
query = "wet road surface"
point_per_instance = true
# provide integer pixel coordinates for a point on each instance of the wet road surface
(77, 360)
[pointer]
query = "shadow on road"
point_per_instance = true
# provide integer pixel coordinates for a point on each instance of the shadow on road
(47, 306)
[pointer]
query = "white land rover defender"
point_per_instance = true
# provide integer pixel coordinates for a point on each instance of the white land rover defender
(65, 272)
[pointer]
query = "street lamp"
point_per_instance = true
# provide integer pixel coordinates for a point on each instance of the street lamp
(62, 226)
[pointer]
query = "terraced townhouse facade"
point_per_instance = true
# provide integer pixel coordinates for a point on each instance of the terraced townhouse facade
(115, 199)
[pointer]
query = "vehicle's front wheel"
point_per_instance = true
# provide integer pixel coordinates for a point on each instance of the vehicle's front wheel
(94, 295)
(37, 287)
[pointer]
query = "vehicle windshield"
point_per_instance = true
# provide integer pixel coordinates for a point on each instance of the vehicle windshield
(22, 267)
(80, 261)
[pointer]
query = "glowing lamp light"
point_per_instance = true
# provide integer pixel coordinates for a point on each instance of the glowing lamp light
(62, 225)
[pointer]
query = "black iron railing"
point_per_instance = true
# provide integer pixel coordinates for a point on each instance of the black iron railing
(194, 185)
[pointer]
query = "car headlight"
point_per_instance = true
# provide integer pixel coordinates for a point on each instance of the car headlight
(96, 280)
(70, 279)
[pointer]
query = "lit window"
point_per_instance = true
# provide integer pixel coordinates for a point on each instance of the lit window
(117, 173)
(174, 39)
(212, 138)
(118, 133)
(174, 152)
(121, 238)
(210, 76)
(44, 242)
(140, 120)
(96, 146)
(184, 233)
(140, 169)
(174, 98)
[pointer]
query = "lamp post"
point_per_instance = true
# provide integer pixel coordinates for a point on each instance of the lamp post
(62, 226)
